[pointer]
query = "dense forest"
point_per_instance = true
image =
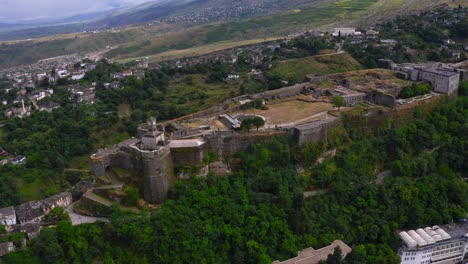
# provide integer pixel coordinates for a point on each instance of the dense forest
(259, 214)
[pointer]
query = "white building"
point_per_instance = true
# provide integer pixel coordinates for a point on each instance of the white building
(62, 73)
(77, 76)
(441, 245)
(344, 32)
(7, 216)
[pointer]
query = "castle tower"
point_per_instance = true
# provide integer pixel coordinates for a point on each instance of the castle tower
(153, 158)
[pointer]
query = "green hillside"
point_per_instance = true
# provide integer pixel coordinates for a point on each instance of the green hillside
(150, 40)
(295, 70)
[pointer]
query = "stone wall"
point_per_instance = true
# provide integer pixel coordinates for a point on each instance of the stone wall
(189, 156)
(314, 131)
(379, 98)
(120, 159)
(157, 171)
(282, 92)
(241, 142)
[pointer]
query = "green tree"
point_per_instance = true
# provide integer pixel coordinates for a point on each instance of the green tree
(338, 101)
(258, 122)
(47, 247)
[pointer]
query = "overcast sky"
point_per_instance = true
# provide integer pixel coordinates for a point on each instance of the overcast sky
(17, 10)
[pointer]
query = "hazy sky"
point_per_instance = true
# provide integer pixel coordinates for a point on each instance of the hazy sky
(17, 10)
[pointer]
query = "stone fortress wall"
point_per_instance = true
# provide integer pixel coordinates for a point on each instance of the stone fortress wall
(188, 147)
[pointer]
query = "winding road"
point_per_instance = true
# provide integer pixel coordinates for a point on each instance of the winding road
(78, 219)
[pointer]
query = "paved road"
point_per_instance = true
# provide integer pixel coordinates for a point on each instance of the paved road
(78, 219)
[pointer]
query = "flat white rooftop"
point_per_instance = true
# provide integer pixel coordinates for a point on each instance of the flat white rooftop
(187, 143)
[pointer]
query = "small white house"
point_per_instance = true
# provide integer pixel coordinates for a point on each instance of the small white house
(7, 216)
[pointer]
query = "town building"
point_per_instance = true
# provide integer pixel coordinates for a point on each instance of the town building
(446, 244)
(139, 74)
(18, 160)
(315, 256)
(127, 73)
(344, 32)
(85, 94)
(7, 216)
(35, 211)
(20, 111)
(48, 106)
(40, 94)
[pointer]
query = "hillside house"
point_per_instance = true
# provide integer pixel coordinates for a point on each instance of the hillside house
(344, 32)
(139, 74)
(21, 111)
(127, 73)
(18, 160)
(35, 211)
(40, 94)
(83, 94)
(48, 106)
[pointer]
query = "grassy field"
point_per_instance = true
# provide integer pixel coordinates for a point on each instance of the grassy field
(201, 50)
(290, 111)
(192, 94)
(296, 70)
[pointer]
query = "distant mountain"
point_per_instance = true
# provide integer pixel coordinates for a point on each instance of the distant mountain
(199, 10)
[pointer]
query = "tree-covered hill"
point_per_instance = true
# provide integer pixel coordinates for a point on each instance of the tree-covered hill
(258, 214)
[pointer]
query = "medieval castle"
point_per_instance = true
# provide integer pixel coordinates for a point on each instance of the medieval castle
(161, 152)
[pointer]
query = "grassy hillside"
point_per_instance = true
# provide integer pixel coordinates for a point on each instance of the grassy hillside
(296, 70)
(150, 40)
(344, 12)
(200, 50)
(261, 27)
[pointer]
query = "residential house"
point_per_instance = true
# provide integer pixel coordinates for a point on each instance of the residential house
(20, 111)
(35, 211)
(48, 106)
(139, 74)
(18, 160)
(40, 94)
(85, 94)
(344, 32)
(127, 73)
(76, 74)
